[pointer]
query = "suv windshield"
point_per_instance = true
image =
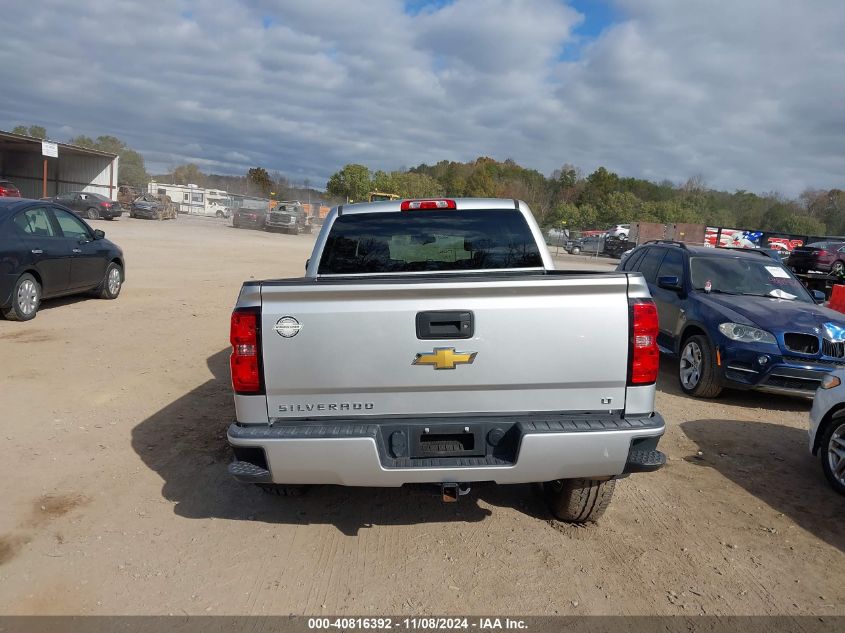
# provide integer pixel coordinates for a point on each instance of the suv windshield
(429, 241)
(743, 276)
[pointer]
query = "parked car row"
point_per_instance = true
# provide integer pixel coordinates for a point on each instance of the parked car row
(612, 243)
(288, 217)
(737, 318)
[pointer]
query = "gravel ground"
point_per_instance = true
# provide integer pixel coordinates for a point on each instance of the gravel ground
(115, 497)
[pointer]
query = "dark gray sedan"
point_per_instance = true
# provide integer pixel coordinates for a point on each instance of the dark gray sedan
(46, 251)
(92, 206)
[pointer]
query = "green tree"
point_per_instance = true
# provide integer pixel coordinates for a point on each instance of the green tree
(803, 225)
(600, 184)
(567, 176)
(620, 207)
(131, 169)
(828, 207)
(188, 174)
(83, 141)
(481, 185)
(411, 185)
(36, 131)
(385, 182)
(571, 216)
(260, 181)
(353, 182)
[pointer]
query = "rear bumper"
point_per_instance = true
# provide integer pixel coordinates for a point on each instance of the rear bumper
(367, 452)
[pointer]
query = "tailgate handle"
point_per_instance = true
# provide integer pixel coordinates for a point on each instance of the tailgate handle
(443, 324)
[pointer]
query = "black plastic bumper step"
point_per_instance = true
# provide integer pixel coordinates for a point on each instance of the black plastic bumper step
(249, 473)
(644, 461)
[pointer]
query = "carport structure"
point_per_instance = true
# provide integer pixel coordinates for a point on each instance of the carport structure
(74, 168)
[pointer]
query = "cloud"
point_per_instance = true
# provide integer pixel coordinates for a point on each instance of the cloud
(747, 95)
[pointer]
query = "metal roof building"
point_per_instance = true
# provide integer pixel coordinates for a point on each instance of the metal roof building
(43, 168)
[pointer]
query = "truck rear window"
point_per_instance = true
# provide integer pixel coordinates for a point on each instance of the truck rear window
(419, 241)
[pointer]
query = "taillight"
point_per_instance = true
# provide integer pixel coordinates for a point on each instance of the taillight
(644, 357)
(105, 204)
(821, 253)
(414, 205)
(245, 361)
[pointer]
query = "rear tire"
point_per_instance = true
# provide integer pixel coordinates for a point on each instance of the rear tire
(283, 490)
(697, 370)
(26, 298)
(578, 500)
(92, 214)
(575, 251)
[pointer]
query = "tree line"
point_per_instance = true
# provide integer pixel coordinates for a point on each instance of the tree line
(565, 199)
(568, 199)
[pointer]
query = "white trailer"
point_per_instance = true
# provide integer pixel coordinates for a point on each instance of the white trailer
(193, 199)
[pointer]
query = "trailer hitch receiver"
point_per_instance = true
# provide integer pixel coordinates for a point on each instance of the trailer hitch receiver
(451, 492)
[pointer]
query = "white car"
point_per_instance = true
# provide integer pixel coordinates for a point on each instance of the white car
(827, 428)
(619, 230)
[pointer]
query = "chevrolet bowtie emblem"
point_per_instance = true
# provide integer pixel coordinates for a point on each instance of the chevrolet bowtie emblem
(445, 358)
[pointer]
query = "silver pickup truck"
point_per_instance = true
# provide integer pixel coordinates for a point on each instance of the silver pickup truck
(432, 341)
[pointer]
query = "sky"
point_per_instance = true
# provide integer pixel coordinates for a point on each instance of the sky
(746, 94)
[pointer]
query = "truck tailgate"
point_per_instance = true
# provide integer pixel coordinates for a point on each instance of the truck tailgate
(540, 343)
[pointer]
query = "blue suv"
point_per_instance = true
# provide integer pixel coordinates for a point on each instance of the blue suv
(738, 318)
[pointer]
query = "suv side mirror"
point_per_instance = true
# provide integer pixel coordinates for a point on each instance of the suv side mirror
(818, 296)
(307, 261)
(669, 283)
(98, 234)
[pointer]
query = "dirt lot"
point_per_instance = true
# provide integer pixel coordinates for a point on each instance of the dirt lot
(115, 497)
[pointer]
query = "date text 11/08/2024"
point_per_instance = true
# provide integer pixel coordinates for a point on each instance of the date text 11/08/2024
(424, 623)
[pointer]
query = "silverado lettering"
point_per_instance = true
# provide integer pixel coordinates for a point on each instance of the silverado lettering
(333, 406)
